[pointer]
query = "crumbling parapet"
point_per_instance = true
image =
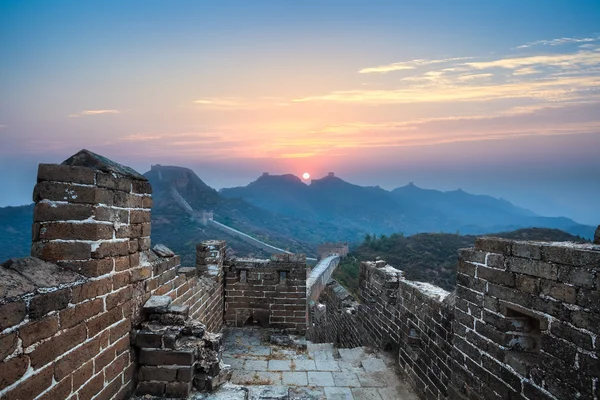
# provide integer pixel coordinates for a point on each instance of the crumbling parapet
(270, 293)
(597, 236)
(177, 353)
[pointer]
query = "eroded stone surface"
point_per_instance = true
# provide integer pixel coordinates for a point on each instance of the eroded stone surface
(163, 250)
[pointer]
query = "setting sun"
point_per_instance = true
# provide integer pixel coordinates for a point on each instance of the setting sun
(306, 175)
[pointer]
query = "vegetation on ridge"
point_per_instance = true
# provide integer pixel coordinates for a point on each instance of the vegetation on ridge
(427, 257)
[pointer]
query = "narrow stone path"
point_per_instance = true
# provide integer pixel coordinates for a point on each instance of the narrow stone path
(304, 371)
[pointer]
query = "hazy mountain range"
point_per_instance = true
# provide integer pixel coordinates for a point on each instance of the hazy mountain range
(408, 209)
(283, 211)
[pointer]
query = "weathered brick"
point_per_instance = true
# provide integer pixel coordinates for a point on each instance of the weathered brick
(528, 284)
(141, 273)
(12, 314)
(586, 320)
(57, 251)
(178, 389)
(140, 216)
(92, 289)
(74, 315)
(83, 374)
(102, 213)
(61, 390)
(69, 231)
(147, 202)
(42, 304)
(76, 358)
(119, 331)
(163, 374)
(111, 249)
(573, 335)
(8, 344)
(57, 346)
(533, 267)
(117, 366)
(38, 330)
(119, 297)
(92, 387)
(89, 268)
(559, 291)
(122, 263)
(151, 388)
(496, 276)
(493, 245)
(527, 250)
(141, 187)
(99, 323)
(571, 256)
(108, 181)
(144, 243)
(121, 279)
(46, 212)
(166, 357)
(580, 277)
(12, 370)
(32, 386)
(65, 173)
(55, 191)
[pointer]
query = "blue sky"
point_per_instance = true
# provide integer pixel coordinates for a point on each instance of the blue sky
(495, 97)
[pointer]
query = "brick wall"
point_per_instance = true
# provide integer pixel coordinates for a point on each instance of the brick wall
(267, 292)
(527, 320)
(334, 319)
(65, 328)
(66, 315)
(414, 318)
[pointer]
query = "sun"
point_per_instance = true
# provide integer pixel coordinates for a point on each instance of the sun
(306, 175)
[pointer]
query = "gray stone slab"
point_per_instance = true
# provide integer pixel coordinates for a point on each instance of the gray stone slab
(305, 365)
(371, 379)
(368, 394)
(157, 304)
(348, 379)
(256, 378)
(256, 365)
(306, 393)
(320, 378)
(228, 391)
(294, 378)
(236, 363)
(280, 365)
(338, 393)
(353, 356)
(323, 355)
(373, 365)
(269, 392)
(349, 367)
(327, 365)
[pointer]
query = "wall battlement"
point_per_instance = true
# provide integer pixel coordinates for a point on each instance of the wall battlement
(523, 322)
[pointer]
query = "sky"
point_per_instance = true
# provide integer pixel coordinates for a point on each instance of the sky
(493, 97)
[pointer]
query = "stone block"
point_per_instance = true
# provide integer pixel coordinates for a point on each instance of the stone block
(103, 213)
(178, 389)
(42, 304)
(68, 231)
(496, 276)
(58, 251)
(55, 191)
(494, 245)
(48, 212)
(8, 344)
(167, 357)
(571, 256)
(111, 249)
(157, 304)
(162, 251)
(65, 173)
(141, 187)
(108, 181)
(559, 291)
(533, 267)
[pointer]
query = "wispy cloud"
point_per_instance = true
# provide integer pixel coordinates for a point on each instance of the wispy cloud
(93, 112)
(239, 103)
(407, 65)
(580, 58)
(558, 42)
(564, 87)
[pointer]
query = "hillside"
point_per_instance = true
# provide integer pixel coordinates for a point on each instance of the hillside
(408, 209)
(428, 257)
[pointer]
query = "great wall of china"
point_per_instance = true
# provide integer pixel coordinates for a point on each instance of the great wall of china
(96, 312)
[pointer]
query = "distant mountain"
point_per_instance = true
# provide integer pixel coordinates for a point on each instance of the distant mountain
(408, 209)
(180, 197)
(428, 257)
